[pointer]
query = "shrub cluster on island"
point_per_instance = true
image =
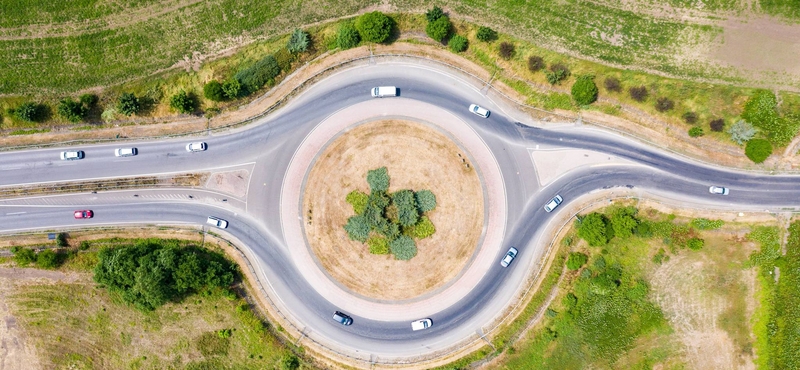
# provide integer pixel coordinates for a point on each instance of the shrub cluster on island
(390, 222)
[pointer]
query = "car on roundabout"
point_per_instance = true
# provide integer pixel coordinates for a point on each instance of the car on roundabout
(217, 222)
(421, 324)
(553, 203)
(479, 111)
(342, 318)
(719, 190)
(196, 147)
(87, 213)
(510, 255)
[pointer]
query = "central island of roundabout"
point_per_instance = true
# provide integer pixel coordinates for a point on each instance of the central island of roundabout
(422, 147)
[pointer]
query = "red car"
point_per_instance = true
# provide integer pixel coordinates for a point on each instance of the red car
(84, 214)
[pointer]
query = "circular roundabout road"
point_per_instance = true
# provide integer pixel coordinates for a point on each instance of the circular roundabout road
(277, 150)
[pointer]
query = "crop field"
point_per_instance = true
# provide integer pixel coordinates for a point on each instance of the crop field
(647, 301)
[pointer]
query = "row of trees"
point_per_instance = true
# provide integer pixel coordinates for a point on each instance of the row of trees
(389, 222)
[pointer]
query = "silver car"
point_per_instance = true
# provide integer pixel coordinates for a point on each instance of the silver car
(553, 203)
(719, 190)
(510, 255)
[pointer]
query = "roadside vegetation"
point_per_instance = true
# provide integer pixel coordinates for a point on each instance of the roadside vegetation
(390, 222)
(201, 324)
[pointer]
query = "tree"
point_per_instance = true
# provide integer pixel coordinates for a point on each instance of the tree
(742, 131)
(486, 34)
(347, 36)
(298, 41)
(576, 260)
(762, 111)
(89, 100)
(403, 248)
(24, 256)
(690, 117)
(232, 88)
(426, 200)
(61, 240)
(458, 43)
(535, 63)
(28, 112)
(593, 229)
(378, 179)
(584, 91)
(71, 110)
(612, 84)
(696, 132)
(407, 211)
(182, 102)
(557, 73)
(506, 50)
(422, 229)
(664, 104)
(290, 362)
(358, 200)
(213, 91)
(128, 104)
(717, 124)
(433, 14)
(378, 245)
(357, 228)
(638, 93)
(438, 29)
(374, 26)
(758, 150)
(623, 221)
(695, 244)
(47, 259)
(261, 72)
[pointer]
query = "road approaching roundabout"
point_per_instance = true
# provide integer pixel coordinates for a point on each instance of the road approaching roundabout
(311, 290)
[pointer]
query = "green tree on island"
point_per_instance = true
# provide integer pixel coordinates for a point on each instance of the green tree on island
(390, 222)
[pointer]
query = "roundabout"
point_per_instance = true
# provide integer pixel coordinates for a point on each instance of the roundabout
(472, 298)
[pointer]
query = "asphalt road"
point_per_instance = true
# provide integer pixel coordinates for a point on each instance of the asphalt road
(271, 142)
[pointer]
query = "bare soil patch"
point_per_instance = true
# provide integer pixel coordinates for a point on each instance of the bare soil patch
(417, 157)
(231, 182)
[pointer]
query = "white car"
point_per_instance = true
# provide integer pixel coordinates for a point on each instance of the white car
(381, 91)
(553, 203)
(421, 324)
(126, 152)
(218, 222)
(512, 252)
(72, 155)
(196, 147)
(477, 110)
(718, 190)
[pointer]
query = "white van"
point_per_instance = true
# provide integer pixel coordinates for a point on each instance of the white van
(379, 92)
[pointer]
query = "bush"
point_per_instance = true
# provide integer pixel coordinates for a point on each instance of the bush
(458, 43)
(298, 41)
(690, 117)
(407, 212)
(584, 91)
(71, 110)
(717, 124)
(403, 248)
(696, 132)
(357, 228)
(290, 362)
(706, 224)
(148, 274)
(664, 104)
(434, 14)
(47, 259)
(422, 229)
(612, 84)
(758, 150)
(182, 102)
(128, 104)
(742, 132)
(347, 36)
(486, 34)
(623, 221)
(378, 245)
(28, 112)
(695, 244)
(374, 26)
(576, 260)
(89, 100)
(61, 240)
(762, 111)
(232, 88)
(378, 179)
(358, 200)
(24, 256)
(506, 50)
(535, 63)
(557, 73)
(638, 93)
(438, 29)
(85, 245)
(593, 229)
(426, 200)
(262, 72)
(284, 58)
(213, 91)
